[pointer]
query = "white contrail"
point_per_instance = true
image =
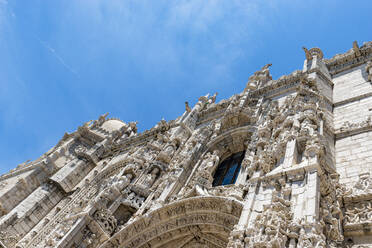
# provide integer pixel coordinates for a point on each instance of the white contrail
(56, 55)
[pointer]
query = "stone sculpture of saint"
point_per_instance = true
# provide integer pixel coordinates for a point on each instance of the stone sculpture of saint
(151, 177)
(210, 162)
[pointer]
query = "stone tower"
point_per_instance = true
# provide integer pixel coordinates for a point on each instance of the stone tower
(284, 163)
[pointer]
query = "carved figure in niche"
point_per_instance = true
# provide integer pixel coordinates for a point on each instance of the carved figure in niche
(216, 129)
(248, 164)
(264, 131)
(292, 123)
(264, 158)
(307, 127)
(231, 109)
(160, 140)
(187, 151)
(89, 238)
(112, 190)
(210, 162)
(151, 177)
(167, 154)
(313, 148)
(313, 237)
(122, 182)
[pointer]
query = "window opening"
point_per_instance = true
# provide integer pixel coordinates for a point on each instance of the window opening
(227, 171)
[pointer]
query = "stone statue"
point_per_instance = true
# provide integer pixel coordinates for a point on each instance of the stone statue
(188, 109)
(210, 162)
(151, 177)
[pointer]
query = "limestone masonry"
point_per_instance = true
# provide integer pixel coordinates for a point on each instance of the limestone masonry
(284, 163)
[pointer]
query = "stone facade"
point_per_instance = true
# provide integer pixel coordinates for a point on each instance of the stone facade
(304, 179)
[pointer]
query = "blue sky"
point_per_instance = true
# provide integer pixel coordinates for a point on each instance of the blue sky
(63, 63)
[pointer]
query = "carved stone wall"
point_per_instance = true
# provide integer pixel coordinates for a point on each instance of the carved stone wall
(305, 179)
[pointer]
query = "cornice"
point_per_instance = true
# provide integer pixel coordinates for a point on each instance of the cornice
(321, 75)
(282, 84)
(352, 58)
(144, 136)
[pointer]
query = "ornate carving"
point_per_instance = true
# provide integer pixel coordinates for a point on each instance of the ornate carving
(112, 190)
(369, 71)
(259, 78)
(154, 189)
(364, 184)
(89, 239)
(106, 220)
(349, 127)
(358, 213)
(313, 52)
(270, 227)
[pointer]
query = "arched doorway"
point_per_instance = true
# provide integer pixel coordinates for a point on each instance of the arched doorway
(192, 222)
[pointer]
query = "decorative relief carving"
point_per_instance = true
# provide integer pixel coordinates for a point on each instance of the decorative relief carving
(89, 239)
(364, 184)
(315, 51)
(189, 212)
(349, 127)
(162, 187)
(358, 213)
(270, 227)
(106, 220)
(259, 78)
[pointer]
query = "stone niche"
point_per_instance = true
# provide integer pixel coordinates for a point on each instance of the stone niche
(123, 213)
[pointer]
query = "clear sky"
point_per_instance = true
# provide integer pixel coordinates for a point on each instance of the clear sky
(63, 63)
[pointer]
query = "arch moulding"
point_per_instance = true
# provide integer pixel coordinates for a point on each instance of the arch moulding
(204, 220)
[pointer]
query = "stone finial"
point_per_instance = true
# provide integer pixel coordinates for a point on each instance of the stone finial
(188, 109)
(213, 98)
(265, 67)
(307, 53)
(356, 48)
(315, 51)
(259, 78)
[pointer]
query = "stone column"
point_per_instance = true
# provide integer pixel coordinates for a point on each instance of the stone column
(248, 206)
(291, 154)
(312, 196)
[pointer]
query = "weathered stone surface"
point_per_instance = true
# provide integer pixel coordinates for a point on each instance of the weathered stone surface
(304, 176)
